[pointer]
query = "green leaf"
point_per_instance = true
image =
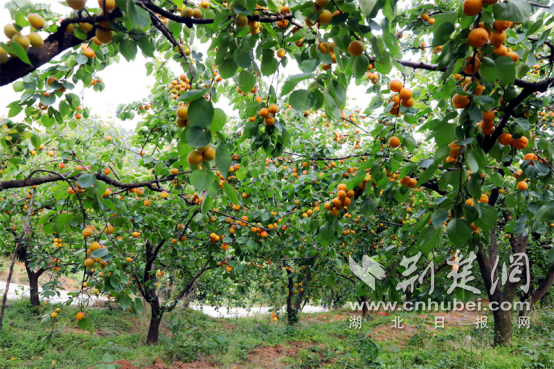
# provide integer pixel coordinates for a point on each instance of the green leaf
(192, 95)
(202, 179)
(439, 216)
(197, 136)
(16, 48)
(125, 301)
(517, 11)
(442, 34)
(302, 100)
(223, 159)
(506, 69)
(231, 193)
(409, 142)
(474, 185)
(459, 231)
(200, 114)
(326, 234)
(146, 46)
(368, 207)
(227, 68)
(546, 213)
(35, 140)
(247, 81)
(292, 81)
(488, 217)
(219, 120)
(488, 70)
(83, 323)
(99, 253)
(86, 180)
(407, 169)
(360, 66)
(367, 6)
(73, 100)
(128, 48)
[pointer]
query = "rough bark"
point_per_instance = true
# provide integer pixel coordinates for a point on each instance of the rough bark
(502, 319)
(502, 327)
(155, 321)
(54, 45)
(33, 284)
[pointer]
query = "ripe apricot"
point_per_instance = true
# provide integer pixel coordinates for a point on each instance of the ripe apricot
(104, 36)
(505, 139)
(477, 37)
(498, 38)
(10, 31)
(473, 64)
(325, 16)
(182, 112)
(500, 50)
(488, 116)
(395, 85)
(264, 113)
(209, 154)
(500, 26)
(522, 186)
(405, 93)
(513, 55)
(520, 143)
(194, 157)
(273, 109)
(460, 101)
(356, 48)
(407, 103)
(76, 4)
(394, 142)
(472, 7)
(36, 40)
(36, 21)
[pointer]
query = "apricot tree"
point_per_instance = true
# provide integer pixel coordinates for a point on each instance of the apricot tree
(457, 98)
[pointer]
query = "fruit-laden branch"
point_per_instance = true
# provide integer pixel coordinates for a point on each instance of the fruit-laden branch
(537, 86)
(529, 89)
(35, 181)
(189, 22)
(54, 44)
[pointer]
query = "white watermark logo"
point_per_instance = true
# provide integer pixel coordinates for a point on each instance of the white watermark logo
(460, 272)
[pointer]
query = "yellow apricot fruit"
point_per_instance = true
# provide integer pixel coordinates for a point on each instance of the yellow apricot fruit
(37, 22)
(356, 48)
(477, 37)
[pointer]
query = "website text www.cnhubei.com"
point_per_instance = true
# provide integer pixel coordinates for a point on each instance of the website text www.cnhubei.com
(429, 305)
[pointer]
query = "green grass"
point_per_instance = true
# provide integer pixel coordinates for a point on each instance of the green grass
(319, 341)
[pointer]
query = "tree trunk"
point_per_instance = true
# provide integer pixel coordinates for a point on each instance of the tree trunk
(292, 313)
(155, 320)
(502, 327)
(33, 291)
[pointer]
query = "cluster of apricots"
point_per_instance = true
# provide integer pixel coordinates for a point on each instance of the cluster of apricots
(32, 39)
(90, 261)
(341, 202)
(269, 114)
(188, 12)
(201, 154)
(403, 97)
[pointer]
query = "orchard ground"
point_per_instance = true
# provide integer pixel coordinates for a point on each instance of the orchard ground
(190, 339)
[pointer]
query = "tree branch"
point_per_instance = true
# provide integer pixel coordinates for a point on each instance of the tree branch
(54, 45)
